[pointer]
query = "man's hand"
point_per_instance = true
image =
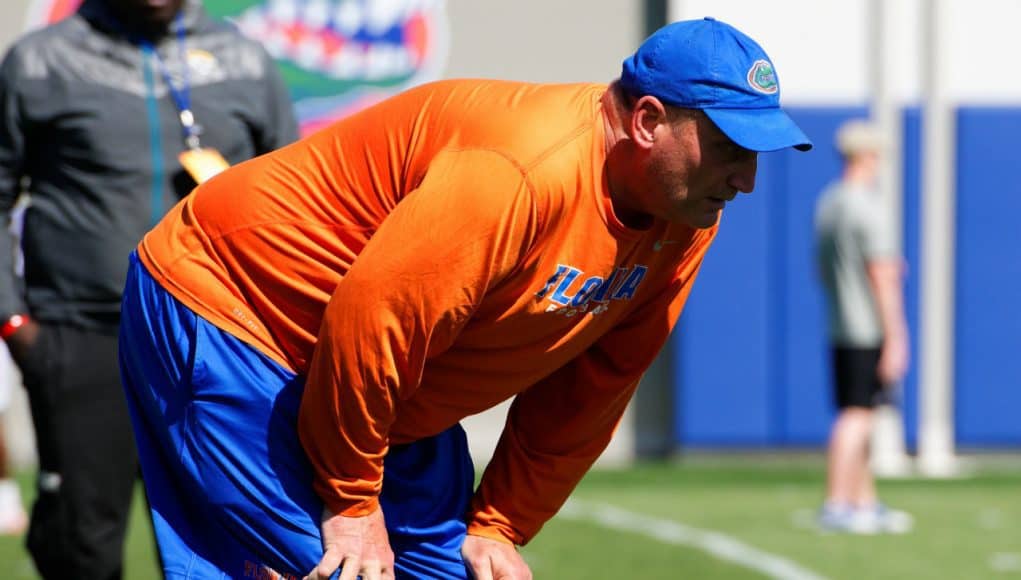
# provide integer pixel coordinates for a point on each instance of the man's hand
(493, 560)
(359, 546)
(886, 279)
(893, 360)
(22, 341)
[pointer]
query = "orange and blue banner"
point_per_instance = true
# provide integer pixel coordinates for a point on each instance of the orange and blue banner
(337, 56)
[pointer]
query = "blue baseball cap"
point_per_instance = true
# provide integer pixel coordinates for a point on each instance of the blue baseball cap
(712, 66)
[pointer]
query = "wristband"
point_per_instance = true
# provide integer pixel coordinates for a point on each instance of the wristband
(12, 325)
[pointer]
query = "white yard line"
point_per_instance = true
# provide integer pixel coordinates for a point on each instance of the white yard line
(720, 545)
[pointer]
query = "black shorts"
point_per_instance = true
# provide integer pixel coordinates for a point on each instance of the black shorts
(855, 378)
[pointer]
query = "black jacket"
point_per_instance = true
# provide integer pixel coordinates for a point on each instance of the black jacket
(90, 131)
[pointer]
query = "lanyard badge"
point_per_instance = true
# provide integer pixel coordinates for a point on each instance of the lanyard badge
(200, 162)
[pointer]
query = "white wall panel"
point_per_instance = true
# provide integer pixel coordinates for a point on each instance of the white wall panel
(819, 46)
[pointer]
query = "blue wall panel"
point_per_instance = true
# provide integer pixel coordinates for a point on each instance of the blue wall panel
(988, 316)
(803, 388)
(751, 356)
(750, 359)
(719, 355)
(912, 165)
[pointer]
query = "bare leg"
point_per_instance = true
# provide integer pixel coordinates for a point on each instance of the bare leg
(849, 480)
(865, 490)
(4, 472)
(13, 519)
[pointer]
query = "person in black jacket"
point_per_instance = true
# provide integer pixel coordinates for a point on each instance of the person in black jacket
(109, 117)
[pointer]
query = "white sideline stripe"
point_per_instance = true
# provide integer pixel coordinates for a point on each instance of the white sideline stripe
(670, 532)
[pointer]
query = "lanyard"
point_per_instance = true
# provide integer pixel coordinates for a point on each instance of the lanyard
(182, 94)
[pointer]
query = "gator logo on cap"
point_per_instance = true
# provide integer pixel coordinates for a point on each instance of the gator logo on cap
(336, 56)
(762, 78)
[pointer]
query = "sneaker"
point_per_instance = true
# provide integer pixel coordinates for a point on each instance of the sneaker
(891, 521)
(845, 519)
(13, 519)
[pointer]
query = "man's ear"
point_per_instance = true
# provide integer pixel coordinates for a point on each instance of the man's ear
(647, 115)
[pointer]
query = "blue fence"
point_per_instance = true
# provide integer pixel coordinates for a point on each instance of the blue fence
(750, 350)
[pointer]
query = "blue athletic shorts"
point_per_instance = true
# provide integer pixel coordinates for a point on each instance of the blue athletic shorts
(228, 482)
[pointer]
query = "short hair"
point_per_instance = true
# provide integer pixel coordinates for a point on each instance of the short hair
(674, 113)
(860, 136)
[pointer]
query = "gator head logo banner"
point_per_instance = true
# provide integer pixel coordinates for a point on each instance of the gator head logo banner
(337, 56)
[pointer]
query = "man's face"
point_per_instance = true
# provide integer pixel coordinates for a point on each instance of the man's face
(148, 12)
(694, 169)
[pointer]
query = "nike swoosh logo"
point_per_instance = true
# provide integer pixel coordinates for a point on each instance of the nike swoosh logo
(660, 243)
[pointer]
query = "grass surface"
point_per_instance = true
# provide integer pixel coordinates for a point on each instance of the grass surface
(965, 528)
(140, 560)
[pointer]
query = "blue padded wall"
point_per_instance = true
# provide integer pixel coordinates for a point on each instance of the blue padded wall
(912, 168)
(988, 315)
(803, 391)
(750, 351)
(751, 358)
(722, 366)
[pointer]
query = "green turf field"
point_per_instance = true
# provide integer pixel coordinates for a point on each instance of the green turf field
(736, 518)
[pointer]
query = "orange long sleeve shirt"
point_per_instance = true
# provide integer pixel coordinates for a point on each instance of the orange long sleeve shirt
(426, 259)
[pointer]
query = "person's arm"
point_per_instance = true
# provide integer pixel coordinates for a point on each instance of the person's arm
(559, 427)
(13, 140)
(406, 298)
(884, 268)
(886, 280)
